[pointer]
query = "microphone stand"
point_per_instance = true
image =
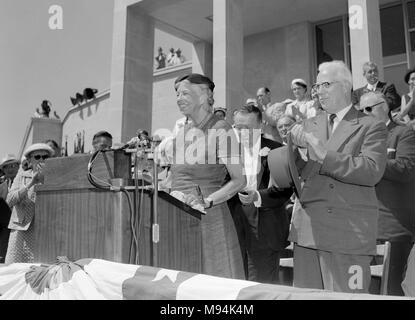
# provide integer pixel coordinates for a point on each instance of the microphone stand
(155, 230)
(148, 149)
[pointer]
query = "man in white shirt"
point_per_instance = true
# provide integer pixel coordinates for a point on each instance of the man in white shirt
(264, 104)
(262, 231)
(371, 73)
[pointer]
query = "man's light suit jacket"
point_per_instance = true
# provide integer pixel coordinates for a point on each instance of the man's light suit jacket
(339, 208)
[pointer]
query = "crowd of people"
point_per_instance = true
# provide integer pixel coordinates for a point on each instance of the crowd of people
(355, 154)
(173, 58)
(354, 151)
(18, 178)
(17, 200)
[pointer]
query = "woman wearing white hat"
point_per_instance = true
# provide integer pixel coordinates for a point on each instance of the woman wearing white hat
(21, 199)
(302, 107)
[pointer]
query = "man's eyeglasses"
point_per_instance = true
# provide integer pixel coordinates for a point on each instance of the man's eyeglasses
(38, 157)
(324, 85)
(370, 108)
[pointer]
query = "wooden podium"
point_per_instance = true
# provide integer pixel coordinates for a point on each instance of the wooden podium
(77, 220)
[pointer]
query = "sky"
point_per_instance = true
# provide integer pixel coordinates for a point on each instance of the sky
(37, 63)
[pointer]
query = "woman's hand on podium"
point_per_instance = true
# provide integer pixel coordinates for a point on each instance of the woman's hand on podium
(191, 200)
(195, 202)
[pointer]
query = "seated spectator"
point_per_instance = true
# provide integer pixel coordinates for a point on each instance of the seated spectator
(407, 111)
(396, 222)
(371, 73)
(302, 107)
(102, 140)
(220, 112)
(283, 126)
(21, 199)
(55, 147)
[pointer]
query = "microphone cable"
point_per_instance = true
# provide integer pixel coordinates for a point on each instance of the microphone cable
(109, 187)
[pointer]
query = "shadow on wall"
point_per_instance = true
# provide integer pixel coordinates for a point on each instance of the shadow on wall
(89, 110)
(81, 113)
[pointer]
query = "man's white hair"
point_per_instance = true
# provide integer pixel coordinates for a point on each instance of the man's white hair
(369, 65)
(340, 71)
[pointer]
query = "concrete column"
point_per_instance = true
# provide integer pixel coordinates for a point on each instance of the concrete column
(202, 58)
(228, 67)
(299, 58)
(365, 37)
(132, 69)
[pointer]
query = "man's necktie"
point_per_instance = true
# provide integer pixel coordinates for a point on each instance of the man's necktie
(331, 123)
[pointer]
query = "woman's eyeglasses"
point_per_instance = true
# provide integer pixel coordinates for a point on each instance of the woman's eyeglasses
(38, 157)
(370, 108)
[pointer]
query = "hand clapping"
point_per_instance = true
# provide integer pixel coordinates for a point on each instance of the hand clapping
(316, 149)
(38, 176)
(298, 136)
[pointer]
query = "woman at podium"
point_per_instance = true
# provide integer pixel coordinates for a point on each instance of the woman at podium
(21, 199)
(207, 169)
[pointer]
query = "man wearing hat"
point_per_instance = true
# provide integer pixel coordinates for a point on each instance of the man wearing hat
(21, 199)
(9, 165)
(395, 191)
(371, 74)
(334, 225)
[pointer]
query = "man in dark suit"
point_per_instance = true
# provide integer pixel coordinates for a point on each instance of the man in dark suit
(371, 73)
(262, 231)
(343, 157)
(395, 191)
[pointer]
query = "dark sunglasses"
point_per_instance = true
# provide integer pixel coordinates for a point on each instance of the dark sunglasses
(38, 157)
(370, 108)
